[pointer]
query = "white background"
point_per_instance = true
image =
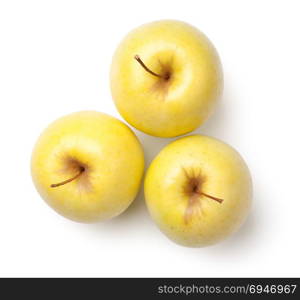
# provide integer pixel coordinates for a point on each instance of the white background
(55, 58)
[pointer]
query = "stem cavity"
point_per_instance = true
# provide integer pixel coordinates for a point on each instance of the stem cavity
(193, 189)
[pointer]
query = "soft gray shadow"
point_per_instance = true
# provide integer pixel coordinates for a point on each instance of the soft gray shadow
(252, 234)
(219, 122)
(242, 239)
(137, 209)
(152, 145)
(134, 214)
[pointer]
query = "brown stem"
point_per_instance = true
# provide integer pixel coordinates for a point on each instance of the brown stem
(211, 197)
(138, 59)
(81, 170)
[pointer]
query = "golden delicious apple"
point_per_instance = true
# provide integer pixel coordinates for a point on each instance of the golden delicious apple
(166, 78)
(198, 190)
(87, 166)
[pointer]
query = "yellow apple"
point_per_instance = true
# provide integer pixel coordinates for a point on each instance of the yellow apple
(198, 190)
(87, 166)
(166, 78)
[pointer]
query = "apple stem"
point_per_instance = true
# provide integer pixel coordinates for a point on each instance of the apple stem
(213, 198)
(138, 59)
(81, 170)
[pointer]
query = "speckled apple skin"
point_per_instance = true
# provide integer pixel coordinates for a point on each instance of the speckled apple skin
(194, 87)
(113, 158)
(226, 177)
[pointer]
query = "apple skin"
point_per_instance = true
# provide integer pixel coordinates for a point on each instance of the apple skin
(225, 175)
(111, 155)
(156, 106)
